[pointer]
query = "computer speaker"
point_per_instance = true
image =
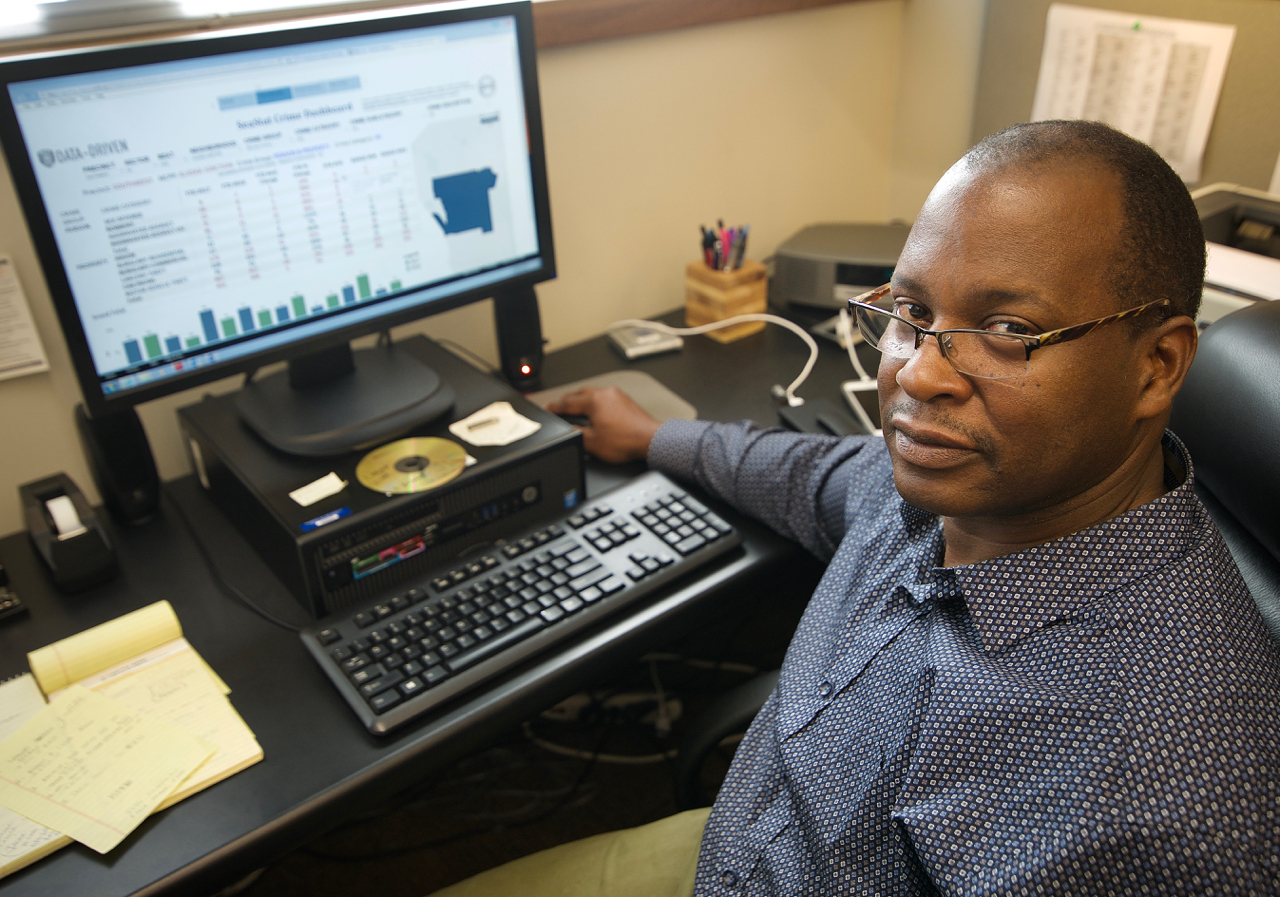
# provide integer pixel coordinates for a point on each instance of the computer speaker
(121, 462)
(519, 327)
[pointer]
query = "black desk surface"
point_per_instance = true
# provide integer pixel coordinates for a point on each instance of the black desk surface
(320, 765)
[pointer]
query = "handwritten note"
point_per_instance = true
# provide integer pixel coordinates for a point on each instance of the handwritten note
(92, 768)
(22, 841)
(178, 689)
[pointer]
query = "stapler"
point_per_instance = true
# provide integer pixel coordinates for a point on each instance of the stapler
(67, 533)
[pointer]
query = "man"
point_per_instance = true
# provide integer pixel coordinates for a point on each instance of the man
(1031, 666)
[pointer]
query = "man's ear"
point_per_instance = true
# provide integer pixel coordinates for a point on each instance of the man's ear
(1168, 351)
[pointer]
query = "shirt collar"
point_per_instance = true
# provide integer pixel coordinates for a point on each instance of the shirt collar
(1012, 596)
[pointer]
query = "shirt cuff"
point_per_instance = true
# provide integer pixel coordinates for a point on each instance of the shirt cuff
(674, 449)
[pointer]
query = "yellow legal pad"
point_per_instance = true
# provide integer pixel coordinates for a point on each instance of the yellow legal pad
(92, 768)
(140, 665)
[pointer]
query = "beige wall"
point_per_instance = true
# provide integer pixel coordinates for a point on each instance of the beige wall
(844, 113)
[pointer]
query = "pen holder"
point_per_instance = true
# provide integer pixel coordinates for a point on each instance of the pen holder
(712, 295)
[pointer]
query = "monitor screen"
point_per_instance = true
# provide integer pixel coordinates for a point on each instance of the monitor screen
(207, 205)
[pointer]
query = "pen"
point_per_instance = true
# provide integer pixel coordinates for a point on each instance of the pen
(482, 423)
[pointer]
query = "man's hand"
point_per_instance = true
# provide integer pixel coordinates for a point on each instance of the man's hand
(617, 429)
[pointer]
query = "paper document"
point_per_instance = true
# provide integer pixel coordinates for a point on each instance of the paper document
(22, 841)
(20, 349)
(494, 424)
(93, 769)
(1241, 272)
(172, 683)
(1155, 79)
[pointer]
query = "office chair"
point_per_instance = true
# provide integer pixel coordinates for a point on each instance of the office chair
(1228, 414)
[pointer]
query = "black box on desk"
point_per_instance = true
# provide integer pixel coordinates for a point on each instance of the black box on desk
(322, 552)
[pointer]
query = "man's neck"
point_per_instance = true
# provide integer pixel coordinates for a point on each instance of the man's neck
(973, 539)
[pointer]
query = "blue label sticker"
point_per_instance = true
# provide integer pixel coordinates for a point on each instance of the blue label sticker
(571, 498)
(326, 518)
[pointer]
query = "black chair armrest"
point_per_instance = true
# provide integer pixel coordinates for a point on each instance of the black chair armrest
(732, 712)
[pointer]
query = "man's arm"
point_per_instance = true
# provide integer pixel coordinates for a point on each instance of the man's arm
(796, 483)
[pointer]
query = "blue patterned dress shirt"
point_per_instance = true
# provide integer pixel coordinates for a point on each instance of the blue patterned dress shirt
(1096, 715)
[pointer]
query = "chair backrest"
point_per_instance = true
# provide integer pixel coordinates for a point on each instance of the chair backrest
(1228, 414)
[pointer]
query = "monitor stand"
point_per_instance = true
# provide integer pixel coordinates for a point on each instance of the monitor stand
(336, 400)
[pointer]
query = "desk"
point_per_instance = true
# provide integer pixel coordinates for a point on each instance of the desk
(320, 765)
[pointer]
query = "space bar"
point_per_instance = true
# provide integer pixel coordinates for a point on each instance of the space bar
(518, 632)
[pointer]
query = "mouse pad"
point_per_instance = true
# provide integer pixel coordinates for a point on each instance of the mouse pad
(648, 393)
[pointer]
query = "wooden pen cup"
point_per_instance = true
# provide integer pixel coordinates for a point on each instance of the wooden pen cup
(712, 295)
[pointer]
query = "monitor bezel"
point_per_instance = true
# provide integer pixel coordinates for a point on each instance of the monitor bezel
(122, 55)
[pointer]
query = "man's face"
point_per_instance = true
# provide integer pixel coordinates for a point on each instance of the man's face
(1027, 251)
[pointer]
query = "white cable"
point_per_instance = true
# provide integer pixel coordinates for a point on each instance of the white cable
(790, 392)
(864, 383)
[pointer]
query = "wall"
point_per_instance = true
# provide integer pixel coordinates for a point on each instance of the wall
(1245, 137)
(843, 113)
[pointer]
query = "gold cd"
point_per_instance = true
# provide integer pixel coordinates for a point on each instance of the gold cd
(411, 465)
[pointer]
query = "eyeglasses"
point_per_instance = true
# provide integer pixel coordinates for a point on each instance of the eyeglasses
(988, 354)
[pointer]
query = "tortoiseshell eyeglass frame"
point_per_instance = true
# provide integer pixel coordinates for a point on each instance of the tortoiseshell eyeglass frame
(1030, 343)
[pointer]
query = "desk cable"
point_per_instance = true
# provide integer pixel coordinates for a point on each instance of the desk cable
(787, 395)
(226, 585)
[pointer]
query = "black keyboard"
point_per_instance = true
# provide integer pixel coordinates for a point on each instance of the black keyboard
(470, 621)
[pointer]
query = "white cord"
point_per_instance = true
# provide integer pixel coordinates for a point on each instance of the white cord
(790, 392)
(864, 383)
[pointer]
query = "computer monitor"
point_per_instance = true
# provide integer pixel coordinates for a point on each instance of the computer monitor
(210, 204)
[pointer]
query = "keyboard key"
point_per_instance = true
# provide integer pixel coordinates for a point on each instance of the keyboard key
(465, 641)
(399, 603)
(449, 649)
(494, 645)
(341, 653)
(382, 683)
(551, 614)
(434, 675)
(650, 565)
(584, 567)
(482, 633)
(412, 668)
(511, 551)
(571, 605)
(382, 611)
(377, 652)
(367, 674)
(410, 687)
(364, 620)
(637, 573)
(589, 579)
(577, 521)
(591, 595)
(691, 544)
(441, 584)
(384, 701)
(611, 585)
(578, 555)
(377, 636)
(328, 636)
